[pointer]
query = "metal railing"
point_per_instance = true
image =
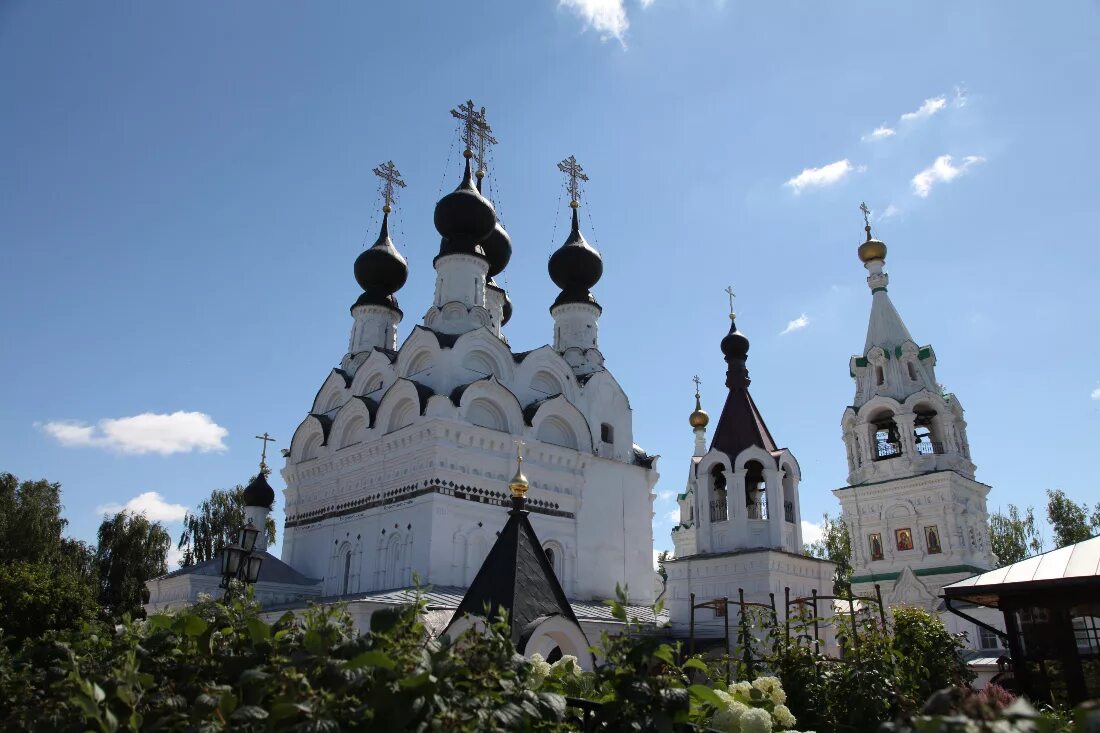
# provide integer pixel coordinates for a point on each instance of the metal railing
(928, 448)
(883, 451)
(719, 512)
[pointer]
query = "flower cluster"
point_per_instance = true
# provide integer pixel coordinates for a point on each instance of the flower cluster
(753, 707)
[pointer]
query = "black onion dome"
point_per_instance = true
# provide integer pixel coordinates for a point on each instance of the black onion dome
(498, 249)
(507, 316)
(464, 216)
(380, 269)
(576, 266)
(735, 345)
(259, 492)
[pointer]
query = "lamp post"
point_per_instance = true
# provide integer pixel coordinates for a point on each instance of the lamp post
(239, 561)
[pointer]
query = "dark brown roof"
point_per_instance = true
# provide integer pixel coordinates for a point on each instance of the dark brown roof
(741, 425)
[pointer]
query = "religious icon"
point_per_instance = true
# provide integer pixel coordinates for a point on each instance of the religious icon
(876, 546)
(904, 539)
(932, 539)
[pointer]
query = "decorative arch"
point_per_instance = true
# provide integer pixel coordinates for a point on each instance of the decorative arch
(352, 421)
(482, 353)
(308, 439)
(420, 350)
(373, 374)
(489, 404)
(559, 422)
(402, 403)
(332, 393)
(553, 635)
(547, 383)
(543, 374)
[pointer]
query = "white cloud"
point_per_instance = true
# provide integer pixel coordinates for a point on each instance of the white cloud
(880, 132)
(942, 171)
(1096, 394)
(179, 432)
(606, 17)
(960, 95)
(889, 212)
(826, 175)
(796, 325)
(930, 107)
(174, 557)
(811, 532)
(151, 504)
(674, 516)
(665, 495)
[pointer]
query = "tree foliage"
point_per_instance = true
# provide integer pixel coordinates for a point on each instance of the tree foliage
(835, 545)
(215, 525)
(37, 597)
(1014, 537)
(131, 550)
(31, 524)
(1072, 522)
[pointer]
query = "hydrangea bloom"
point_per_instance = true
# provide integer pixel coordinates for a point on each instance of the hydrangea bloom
(567, 664)
(783, 716)
(743, 690)
(772, 688)
(540, 670)
(729, 718)
(756, 720)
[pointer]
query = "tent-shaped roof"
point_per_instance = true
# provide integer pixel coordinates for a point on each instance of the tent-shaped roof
(516, 577)
(1067, 566)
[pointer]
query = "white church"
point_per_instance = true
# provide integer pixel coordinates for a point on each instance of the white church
(399, 473)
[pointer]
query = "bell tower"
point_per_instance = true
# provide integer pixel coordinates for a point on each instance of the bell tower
(916, 515)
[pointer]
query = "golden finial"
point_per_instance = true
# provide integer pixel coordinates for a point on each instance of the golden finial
(729, 292)
(872, 249)
(519, 484)
(699, 418)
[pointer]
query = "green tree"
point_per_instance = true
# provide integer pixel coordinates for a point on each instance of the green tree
(131, 550)
(1014, 537)
(661, 557)
(835, 545)
(36, 597)
(31, 525)
(214, 525)
(1071, 521)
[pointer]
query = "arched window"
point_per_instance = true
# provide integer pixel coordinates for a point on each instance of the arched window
(756, 500)
(924, 433)
(912, 370)
(347, 571)
(886, 437)
(788, 494)
(719, 507)
(549, 552)
(880, 376)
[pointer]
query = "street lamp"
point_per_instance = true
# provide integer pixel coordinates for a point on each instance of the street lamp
(239, 562)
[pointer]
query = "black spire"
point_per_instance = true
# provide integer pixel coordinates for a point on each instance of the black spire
(740, 424)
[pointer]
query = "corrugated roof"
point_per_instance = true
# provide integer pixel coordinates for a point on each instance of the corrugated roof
(1073, 562)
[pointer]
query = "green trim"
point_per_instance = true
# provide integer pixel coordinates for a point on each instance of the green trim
(945, 570)
(897, 351)
(924, 353)
(861, 361)
(877, 290)
(681, 497)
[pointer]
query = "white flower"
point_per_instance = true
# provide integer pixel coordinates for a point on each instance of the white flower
(772, 688)
(742, 690)
(567, 664)
(729, 718)
(756, 720)
(540, 669)
(783, 716)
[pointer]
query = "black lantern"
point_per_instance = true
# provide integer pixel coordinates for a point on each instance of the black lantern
(252, 568)
(248, 537)
(232, 556)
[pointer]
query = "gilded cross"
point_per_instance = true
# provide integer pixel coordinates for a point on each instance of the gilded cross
(729, 292)
(572, 169)
(472, 121)
(263, 454)
(391, 177)
(519, 449)
(697, 383)
(866, 213)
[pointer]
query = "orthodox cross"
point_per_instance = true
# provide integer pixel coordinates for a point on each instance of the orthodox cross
(519, 449)
(697, 383)
(391, 177)
(472, 122)
(866, 213)
(729, 292)
(485, 138)
(572, 169)
(263, 454)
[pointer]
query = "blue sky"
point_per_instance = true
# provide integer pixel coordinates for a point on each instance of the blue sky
(185, 186)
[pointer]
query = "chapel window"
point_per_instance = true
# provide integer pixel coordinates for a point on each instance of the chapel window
(347, 571)
(719, 508)
(607, 433)
(887, 438)
(756, 501)
(912, 370)
(880, 376)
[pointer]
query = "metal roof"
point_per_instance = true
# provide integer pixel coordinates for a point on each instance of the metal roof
(1071, 564)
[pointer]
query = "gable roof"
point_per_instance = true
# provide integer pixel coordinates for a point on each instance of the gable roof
(516, 577)
(272, 570)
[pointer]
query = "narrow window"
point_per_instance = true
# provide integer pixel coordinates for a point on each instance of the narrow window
(549, 552)
(607, 433)
(347, 571)
(719, 510)
(912, 371)
(880, 376)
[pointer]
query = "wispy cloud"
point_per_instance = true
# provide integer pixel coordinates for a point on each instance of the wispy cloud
(943, 170)
(1095, 394)
(151, 504)
(796, 325)
(826, 175)
(888, 213)
(880, 132)
(665, 495)
(674, 515)
(606, 17)
(811, 532)
(930, 107)
(178, 432)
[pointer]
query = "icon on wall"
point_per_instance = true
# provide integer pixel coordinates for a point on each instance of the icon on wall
(932, 540)
(875, 541)
(904, 537)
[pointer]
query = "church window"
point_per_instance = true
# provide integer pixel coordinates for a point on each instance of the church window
(347, 571)
(874, 541)
(924, 437)
(719, 508)
(912, 370)
(880, 376)
(607, 433)
(756, 500)
(549, 552)
(887, 438)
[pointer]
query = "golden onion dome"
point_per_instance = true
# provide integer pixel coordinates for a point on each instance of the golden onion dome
(872, 249)
(519, 484)
(699, 418)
